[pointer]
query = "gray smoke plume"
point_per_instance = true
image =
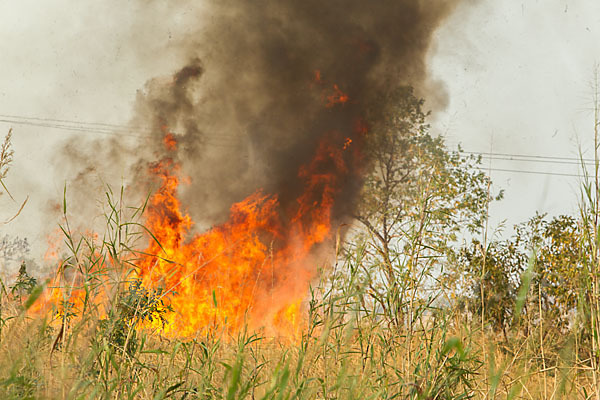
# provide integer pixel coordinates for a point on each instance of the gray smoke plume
(250, 106)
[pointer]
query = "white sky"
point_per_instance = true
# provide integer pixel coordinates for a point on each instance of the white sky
(518, 76)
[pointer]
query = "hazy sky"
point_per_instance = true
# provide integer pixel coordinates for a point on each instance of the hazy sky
(517, 75)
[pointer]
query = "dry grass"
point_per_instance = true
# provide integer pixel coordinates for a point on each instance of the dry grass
(349, 350)
(361, 338)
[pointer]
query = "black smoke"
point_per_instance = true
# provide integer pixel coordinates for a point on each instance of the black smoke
(247, 109)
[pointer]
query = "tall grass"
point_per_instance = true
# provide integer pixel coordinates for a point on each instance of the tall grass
(360, 341)
(375, 329)
(589, 299)
(354, 344)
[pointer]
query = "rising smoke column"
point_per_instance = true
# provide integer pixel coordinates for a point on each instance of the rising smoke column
(243, 110)
(270, 87)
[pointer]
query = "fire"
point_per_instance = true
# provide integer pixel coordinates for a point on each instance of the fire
(170, 142)
(337, 97)
(334, 96)
(317, 78)
(255, 268)
(347, 143)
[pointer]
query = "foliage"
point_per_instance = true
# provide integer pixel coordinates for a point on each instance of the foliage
(558, 249)
(12, 249)
(134, 307)
(409, 168)
(504, 264)
(392, 318)
(24, 284)
(417, 200)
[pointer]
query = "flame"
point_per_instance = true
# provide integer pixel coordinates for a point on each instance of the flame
(289, 321)
(317, 77)
(255, 268)
(347, 143)
(334, 96)
(170, 142)
(68, 295)
(337, 97)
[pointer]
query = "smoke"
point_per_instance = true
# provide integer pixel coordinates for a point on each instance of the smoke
(248, 108)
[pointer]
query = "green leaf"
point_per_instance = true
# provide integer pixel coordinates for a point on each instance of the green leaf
(154, 351)
(65, 199)
(525, 284)
(453, 344)
(236, 373)
(35, 294)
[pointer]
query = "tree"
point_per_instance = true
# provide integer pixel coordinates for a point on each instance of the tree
(504, 264)
(416, 199)
(561, 253)
(556, 286)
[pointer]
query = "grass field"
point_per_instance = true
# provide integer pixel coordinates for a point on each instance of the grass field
(423, 317)
(348, 346)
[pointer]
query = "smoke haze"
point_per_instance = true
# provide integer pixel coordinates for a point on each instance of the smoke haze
(250, 105)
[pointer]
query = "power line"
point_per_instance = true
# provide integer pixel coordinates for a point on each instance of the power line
(536, 160)
(525, 156)
(16, 117)
(533, 159)
(73, 128)
(109, 128)
(222, 141)
(101, 128)
(534, 172)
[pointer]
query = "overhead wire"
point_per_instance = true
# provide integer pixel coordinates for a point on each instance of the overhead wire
(72, 128)
(102, 128)
(530, 156)
(227, 141)
(67, 121)
(534, 172)
(535, 161)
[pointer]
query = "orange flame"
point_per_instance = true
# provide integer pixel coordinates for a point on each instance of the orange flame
(253, 269)
(170, 142)
(333, 96)
(337, 97)
(256, 268)
(347, 143)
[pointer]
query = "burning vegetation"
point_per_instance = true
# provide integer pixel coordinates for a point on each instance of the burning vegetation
(253, 269)
(288, 125)
(266, 124)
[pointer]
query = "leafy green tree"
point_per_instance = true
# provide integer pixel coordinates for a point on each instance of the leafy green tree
(560, 265)
(556, 286)
(412, 174)
(416, 201)
(561, 253)
(504, 264)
